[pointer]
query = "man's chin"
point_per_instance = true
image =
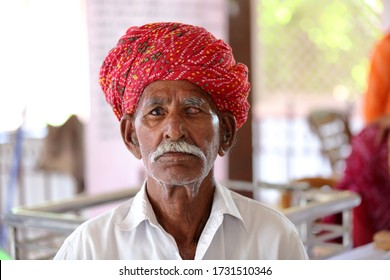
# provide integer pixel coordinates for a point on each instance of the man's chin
(179, 181)
(180, 173)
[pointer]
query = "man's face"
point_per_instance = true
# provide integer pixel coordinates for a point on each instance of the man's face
(171, 112)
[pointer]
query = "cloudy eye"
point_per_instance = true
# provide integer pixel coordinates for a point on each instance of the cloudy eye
(192, 110)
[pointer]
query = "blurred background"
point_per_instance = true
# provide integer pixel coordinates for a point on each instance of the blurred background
(58, 137)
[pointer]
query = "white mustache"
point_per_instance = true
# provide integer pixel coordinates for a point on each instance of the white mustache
(176, 146)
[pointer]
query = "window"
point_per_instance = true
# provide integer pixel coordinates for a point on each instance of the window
(307, 55)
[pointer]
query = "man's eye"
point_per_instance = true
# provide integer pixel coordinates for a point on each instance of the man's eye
(157, 111)
(192, 110)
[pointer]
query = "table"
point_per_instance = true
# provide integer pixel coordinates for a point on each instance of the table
(365, 252)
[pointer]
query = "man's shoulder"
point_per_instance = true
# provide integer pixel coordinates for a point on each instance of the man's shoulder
(89, 236)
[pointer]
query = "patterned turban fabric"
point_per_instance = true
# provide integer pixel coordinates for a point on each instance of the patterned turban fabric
(174, 51)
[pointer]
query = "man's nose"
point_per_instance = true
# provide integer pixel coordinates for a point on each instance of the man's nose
(175, 127)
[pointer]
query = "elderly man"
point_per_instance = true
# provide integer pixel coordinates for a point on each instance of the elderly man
(180, 98)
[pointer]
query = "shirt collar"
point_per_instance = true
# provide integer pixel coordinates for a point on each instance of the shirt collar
(141, 209)
(224, 204)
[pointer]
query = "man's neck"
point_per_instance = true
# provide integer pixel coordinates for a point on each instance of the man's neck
(181, 212)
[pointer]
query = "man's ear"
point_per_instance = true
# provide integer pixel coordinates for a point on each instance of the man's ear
(228, 132)
(129, 135)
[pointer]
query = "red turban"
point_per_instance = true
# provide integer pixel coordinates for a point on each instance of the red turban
(174, 51)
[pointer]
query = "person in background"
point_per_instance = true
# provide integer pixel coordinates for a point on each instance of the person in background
(180, 98)
(367, 168)
(376, 101)
(367, 173)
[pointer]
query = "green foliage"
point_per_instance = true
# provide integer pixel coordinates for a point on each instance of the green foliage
(312, 46)
(4, 255)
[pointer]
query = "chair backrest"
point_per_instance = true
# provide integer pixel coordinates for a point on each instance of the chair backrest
(333, 130)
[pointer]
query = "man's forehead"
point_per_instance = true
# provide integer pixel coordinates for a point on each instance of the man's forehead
(162, 85)
(160, 92)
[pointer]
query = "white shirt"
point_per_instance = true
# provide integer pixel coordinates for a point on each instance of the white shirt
(238, 228)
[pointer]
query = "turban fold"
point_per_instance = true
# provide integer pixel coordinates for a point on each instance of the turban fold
(173, 51)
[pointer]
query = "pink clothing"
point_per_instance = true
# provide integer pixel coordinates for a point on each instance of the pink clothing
(367, 174)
